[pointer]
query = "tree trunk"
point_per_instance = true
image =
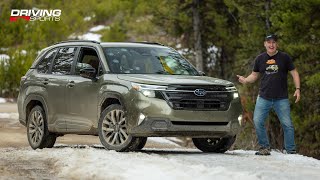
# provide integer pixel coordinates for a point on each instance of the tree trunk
(267, 10)
(197, 34)
(222, 63)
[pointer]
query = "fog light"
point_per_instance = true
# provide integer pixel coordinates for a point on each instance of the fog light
(235, 95)
(240, 119)
(141, 118)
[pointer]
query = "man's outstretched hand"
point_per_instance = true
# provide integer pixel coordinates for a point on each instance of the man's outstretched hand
(242, 79)
(297, 94)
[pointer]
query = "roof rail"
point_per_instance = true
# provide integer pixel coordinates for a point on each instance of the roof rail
(78, 41)
(146, 42)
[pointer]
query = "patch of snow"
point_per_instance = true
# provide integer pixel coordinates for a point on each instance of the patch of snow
(14, 116)
(178, 46)
(174, 139)
(213, 54)
(162, 140)
(212, 49)
(90, 36)
(184, 51)
(4, 57)
(4, 49)
(72, 36)
(97, 28)
(88, 18)
(24, 52)
(2, 100)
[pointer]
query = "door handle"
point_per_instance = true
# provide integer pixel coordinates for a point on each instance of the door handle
(71, 84)
(45, 81)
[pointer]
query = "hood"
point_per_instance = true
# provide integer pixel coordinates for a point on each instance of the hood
(159, 79)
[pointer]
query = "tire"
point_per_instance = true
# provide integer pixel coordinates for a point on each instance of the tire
(216, 145)
(112, 129)
(142, 143)
(139, 143)
(37, 129)
(50, 141)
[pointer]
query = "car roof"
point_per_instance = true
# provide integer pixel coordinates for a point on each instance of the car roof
(107, 44)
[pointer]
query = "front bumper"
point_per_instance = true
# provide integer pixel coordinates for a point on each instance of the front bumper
(161, 120)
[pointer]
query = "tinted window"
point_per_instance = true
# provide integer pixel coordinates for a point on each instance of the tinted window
(63, 61)
(45, 63)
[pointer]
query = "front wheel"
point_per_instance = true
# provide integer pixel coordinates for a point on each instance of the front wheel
(112, 129)
(217, 145)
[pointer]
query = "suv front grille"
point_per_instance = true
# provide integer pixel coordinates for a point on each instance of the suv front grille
(216, 98)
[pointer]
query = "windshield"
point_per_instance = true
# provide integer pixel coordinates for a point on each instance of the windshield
(147, 60)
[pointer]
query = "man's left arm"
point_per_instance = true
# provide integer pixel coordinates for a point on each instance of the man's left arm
(296, 80)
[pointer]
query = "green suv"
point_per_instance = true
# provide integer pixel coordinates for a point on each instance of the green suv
(124, 93)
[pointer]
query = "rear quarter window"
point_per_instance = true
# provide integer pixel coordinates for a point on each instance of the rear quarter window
(45, 63)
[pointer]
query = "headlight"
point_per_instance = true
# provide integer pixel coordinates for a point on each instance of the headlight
(240, 119)
(235, 95)
(234, 90)
(147, 90)
(148, 93)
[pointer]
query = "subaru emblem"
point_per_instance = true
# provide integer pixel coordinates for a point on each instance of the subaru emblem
(200, 92)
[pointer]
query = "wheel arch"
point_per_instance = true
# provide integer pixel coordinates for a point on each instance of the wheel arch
(32, 101)
(110, 98)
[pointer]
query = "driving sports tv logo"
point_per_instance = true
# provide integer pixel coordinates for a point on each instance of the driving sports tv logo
(35, 14)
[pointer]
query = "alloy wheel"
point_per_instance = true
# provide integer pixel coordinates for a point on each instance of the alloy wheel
(114, 128)
(36, 128)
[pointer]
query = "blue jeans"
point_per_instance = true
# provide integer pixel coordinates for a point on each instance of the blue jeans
(282, 109)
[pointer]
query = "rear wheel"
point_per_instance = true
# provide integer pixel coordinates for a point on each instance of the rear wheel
(51, 140)
(139, 143)
(217, 145)
(37, 130)
(142, 143)
(112, 129)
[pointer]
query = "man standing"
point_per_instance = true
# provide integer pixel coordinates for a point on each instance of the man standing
(273, 67)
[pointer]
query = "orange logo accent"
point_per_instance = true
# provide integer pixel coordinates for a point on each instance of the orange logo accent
(271, 61)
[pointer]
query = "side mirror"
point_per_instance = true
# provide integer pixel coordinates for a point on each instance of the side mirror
(88, 72)
(202, 73)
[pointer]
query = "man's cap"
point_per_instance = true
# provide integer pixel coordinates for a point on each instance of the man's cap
(271, 37)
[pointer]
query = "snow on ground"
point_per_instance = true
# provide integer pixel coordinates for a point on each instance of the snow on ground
(87, 18)
(173, 162)
(2, 100)
(14, 116)
(24, 52)
(98, 28)
(96, 163)
(163, 140)
(90, 36)
(4, 57)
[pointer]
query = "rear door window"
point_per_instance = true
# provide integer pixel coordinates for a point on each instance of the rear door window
(63, 61)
